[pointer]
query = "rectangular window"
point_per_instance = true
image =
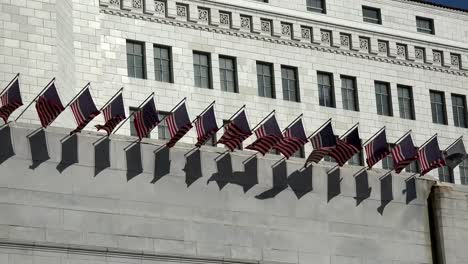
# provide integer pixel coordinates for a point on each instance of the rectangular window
(459, 110)
(317, 6)
(136, 59)
(413, 167)
(371, 15)
(438, 108)
(290, 84)
(265, 80)
(228, 74)
(383, 98)
(202, 69)
(349, 93)
(162, 63)
(357, 159)
(425, 25)
(464, 172)
(163, 129)
(133, 132)
(405, 102)
(445, 174)
(326, 91)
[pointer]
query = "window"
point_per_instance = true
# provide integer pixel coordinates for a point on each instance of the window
(357, 159)
(459, 110)
(371, 15)
(136, 59)
(445, 174)
(163, 129)
(265, 80)
(383, 98)
(438, 108)
(325, 87)
(228, 74)
(290, 84)
(413, 167)
(162, 63)
(405, 102)
(349, 93)
(317, 6)
(133, 132)
(425, 25)
(329, 159)
(464, 172)
(387, 162)
(202, 70)
(299, 154)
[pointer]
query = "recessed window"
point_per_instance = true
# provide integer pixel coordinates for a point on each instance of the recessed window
(136, 59)
(133, 131)
(265, 80)
(459, 110)
(464, 172)
(228, 74)
(326, 90)
(317, 6)
(383, 99)
(425, 25)
(405, 102)
(413, 167)
(445, 174)
(290, 84)
(439, 115)
(349, 93)
(162, 63)
(163, 129)
(371, 15)
(387, 162)
(357, 159)
(202, 69)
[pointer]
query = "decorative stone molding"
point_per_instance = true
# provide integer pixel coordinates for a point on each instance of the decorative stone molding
(419, 54)
(160, 7)
(182, 11)
(265, 26)
(293, 43)
(326, 37)
(203, 15)
(137, 4)
(115, 3)
(286, 30)
(306, 34)
(225, 19)
(364, 44)
(455, 60)
(437, 57)
(246, 23)
(402, 51)
(345, 41)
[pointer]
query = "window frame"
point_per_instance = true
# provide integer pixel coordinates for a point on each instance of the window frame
(234, 70)
(332, 89)
(209, 66)
(295, 80)
(163, 125)
(311, 8)
(271, 77)
(354, 92)
(387, 162)
(376, 21)
(443, 107)
(456, 112)
(143, 59)
(442, 177)
(389, 98)
(431, 31)
(411, 101)
(463, 167)
(169, 51)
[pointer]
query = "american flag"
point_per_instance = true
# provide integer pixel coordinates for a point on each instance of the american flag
(268, 135)
(178, 123)
(146, 118)
(49, 106)
(377, 149)
(347, 147)
(206, 126)
(84, 110)
(404, 153)
(11, 100)
(114, 113)
(430, 156)
(323, 142)
(236, 132)
(294, 138)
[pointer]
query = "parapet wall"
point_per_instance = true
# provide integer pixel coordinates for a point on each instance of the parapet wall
(66, 201)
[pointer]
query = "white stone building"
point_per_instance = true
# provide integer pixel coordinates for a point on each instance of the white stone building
(395, 63)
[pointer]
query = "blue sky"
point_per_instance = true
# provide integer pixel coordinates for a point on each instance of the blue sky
(454, 3)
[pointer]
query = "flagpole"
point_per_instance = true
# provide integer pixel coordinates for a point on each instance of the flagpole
(398, 141)
(374, 136)
(126, 119)
(315, 132)
(238, 111)
(425, 143)
(78, 95)
(174, 108)
(110, 100)
(204, 111)
(349, 130)
(456, 141)
(8, 85)
(263, 120)
(40, 93)
(293, 122)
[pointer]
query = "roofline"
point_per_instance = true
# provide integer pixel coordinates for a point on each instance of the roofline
(425, 2)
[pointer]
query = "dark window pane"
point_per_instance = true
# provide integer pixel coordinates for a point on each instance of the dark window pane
(135, 60)
(405, 102)
(438, 107)
(290, 87)
(349, 93)
(459, 110)
(445, 174)
(202, 70)
(383, 99)
(371, 15)
(326, 93)
(316, 6)
(265, 80)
